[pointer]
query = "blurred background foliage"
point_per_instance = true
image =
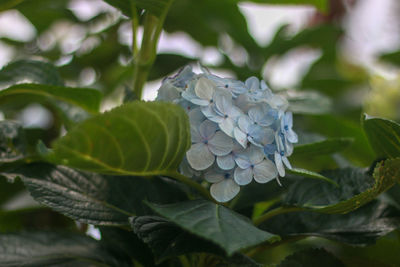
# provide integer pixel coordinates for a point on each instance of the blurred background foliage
(312, 56)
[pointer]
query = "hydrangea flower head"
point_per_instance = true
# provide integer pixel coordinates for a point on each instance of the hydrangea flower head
(240, 131)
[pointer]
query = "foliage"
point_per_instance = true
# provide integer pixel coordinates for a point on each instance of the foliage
(107, 160)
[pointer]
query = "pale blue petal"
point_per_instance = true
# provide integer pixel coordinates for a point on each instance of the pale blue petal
(195, 135)
(204, 88)
(243, 176)
(255, 154)
(265, 171)
(288, 148)
(242, 161)
(291, 136)
(214, 176)
(235, 113)
(200, 157)
(252, 83)
(226, 162)
(269, 149)
(207, 129)
(200, 102)
(224, 190)
(196, 117)
(289, 119)
(240, 137)
(223, 103)
(244, 123)
(210, 113)
(286, 162)
(279, 165)
(227, 126)
(220, 144)
(168, 92)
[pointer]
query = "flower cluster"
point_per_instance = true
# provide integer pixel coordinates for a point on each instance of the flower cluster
(240, 131)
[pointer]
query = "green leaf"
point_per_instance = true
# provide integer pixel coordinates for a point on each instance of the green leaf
(30, 71)
(216, 223)
(322, 5)
(393, 58)
(168, 240)
(48, 248)
(13, 144)
(138, 138)
(356, 188)
(363, 226)
(21, 94)
(92, 198)
(328, 146)
(8, 4)
(311, 258)
(383, 135)
(156, 7)
(310, 174)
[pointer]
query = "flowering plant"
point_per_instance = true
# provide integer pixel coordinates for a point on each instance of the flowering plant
(97, 169)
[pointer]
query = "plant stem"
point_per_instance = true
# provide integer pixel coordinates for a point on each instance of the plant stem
(189, 182)
(144, 58)
(135, 24)
(274, 212)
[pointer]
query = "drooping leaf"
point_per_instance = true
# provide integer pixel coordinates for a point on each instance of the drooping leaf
(92, 198)
(310, 174)
(360, 227)
(13, 144)
(30, 71)
(8, 189)
(328, 146)
(356, 188)
(49, 248)
(168, 63)
(138, 138)
(8, 4)
(393, 58)
(222, 226)
(311, 258)
(22, 94)
(383, 135)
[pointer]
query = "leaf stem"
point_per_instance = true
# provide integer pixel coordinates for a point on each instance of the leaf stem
(189, 182)
(145, 56)
(274, 212)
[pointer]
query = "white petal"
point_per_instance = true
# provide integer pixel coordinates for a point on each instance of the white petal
(265, 171)
(289, 119)
(226, 162)
(224, 190)
(243, 176)
(240, 137)
(227, 126)
(288, 148)
(204, 88)
(214, 177)
(220, 144)
(279, 165)
(252, 83)
(199, 157)
(207, 129)
(223, 102)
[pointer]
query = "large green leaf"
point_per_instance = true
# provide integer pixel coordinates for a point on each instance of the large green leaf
(360, 227)
(21, 94)
(13, 143)
(31, 71)
(328, 146)
(138, 138)
(48, 248)
(311, 258)
(216, 223)
(356, 188)
(383, 135)
(92, 198)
